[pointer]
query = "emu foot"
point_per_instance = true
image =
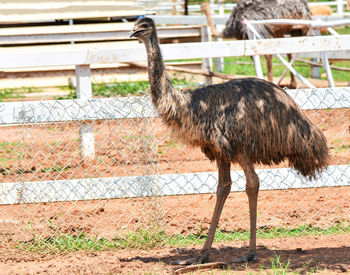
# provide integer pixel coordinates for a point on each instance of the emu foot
(250, 257)
(196, 268)
(203, 258)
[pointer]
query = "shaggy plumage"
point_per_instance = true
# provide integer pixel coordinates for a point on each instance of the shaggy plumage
(244, 120)
(260, 10)
(266, 9)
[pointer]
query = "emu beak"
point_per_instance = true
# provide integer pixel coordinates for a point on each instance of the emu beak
(132, 33)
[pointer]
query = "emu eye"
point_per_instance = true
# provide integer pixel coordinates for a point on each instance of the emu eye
(144, 25)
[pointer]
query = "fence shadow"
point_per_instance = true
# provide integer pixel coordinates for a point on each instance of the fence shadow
(303, 261)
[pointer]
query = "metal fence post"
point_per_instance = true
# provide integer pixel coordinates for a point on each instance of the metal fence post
(325, 63)
(219, 61)
(86, 129)
(207, 63)
(256, 58)
(340, 7)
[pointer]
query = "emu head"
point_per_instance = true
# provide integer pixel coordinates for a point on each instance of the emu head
(143, 28)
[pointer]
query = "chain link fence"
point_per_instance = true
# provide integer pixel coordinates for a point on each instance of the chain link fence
(142, 181)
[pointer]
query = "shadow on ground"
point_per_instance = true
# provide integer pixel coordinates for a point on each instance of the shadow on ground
(309, 260)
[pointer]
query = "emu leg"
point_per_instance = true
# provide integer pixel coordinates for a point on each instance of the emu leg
(269, 67)
(223, 190)
(293, 82)
(252, 189)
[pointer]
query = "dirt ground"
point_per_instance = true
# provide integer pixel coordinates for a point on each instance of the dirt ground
(316, 254)
(131, 147)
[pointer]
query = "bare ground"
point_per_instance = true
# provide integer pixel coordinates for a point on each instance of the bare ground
(315, 254)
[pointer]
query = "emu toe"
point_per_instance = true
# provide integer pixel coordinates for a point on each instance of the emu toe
(203, 258)
(250, 257)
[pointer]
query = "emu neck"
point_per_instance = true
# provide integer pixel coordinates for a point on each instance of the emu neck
(162, 90)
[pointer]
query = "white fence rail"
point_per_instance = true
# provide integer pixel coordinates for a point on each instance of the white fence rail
(32, 112)
(160, 185)
(82, 55)
(167, 7)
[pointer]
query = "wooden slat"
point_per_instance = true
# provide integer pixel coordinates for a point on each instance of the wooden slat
(101, 27)
(52, 4)
(64, 11)
(85, 32)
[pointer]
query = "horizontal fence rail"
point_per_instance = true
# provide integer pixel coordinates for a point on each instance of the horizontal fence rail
(84, 33)
(82, 55)
(75, 110)
(161, 185)
(217, 19)
(29, 112)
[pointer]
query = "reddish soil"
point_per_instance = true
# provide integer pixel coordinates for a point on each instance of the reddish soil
(48, 152)
(306, 255)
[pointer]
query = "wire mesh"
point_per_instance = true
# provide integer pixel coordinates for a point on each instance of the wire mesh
(142, 181)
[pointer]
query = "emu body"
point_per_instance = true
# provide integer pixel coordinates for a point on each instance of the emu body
(260, 10)
(244, 121)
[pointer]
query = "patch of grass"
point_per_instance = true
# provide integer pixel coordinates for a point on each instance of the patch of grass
(277, 266)
(14, 93)
(11, 150)
(181, 82)
(231, 67)
(155, 237)
(343, 30)
(125, 88)
(66, 243)
(163, 149)
(142, 239)
(71, 95)
(6, 93)
(304, 230)
(342, 148)
(55, 143)
(55, 168)
(121, 88)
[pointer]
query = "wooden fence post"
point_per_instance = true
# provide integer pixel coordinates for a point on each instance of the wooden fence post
(86, 129)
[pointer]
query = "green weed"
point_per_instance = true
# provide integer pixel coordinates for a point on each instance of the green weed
(121, 88)
(11, 150)
(342, 148)
(244, 66)
(154, 236)
(55, 168)
(7, 93)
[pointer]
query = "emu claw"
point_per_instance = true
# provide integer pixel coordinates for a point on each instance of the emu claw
(203, 258)
(250, 257)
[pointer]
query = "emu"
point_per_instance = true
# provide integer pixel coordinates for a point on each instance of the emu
(244, 121)
(259, 10)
